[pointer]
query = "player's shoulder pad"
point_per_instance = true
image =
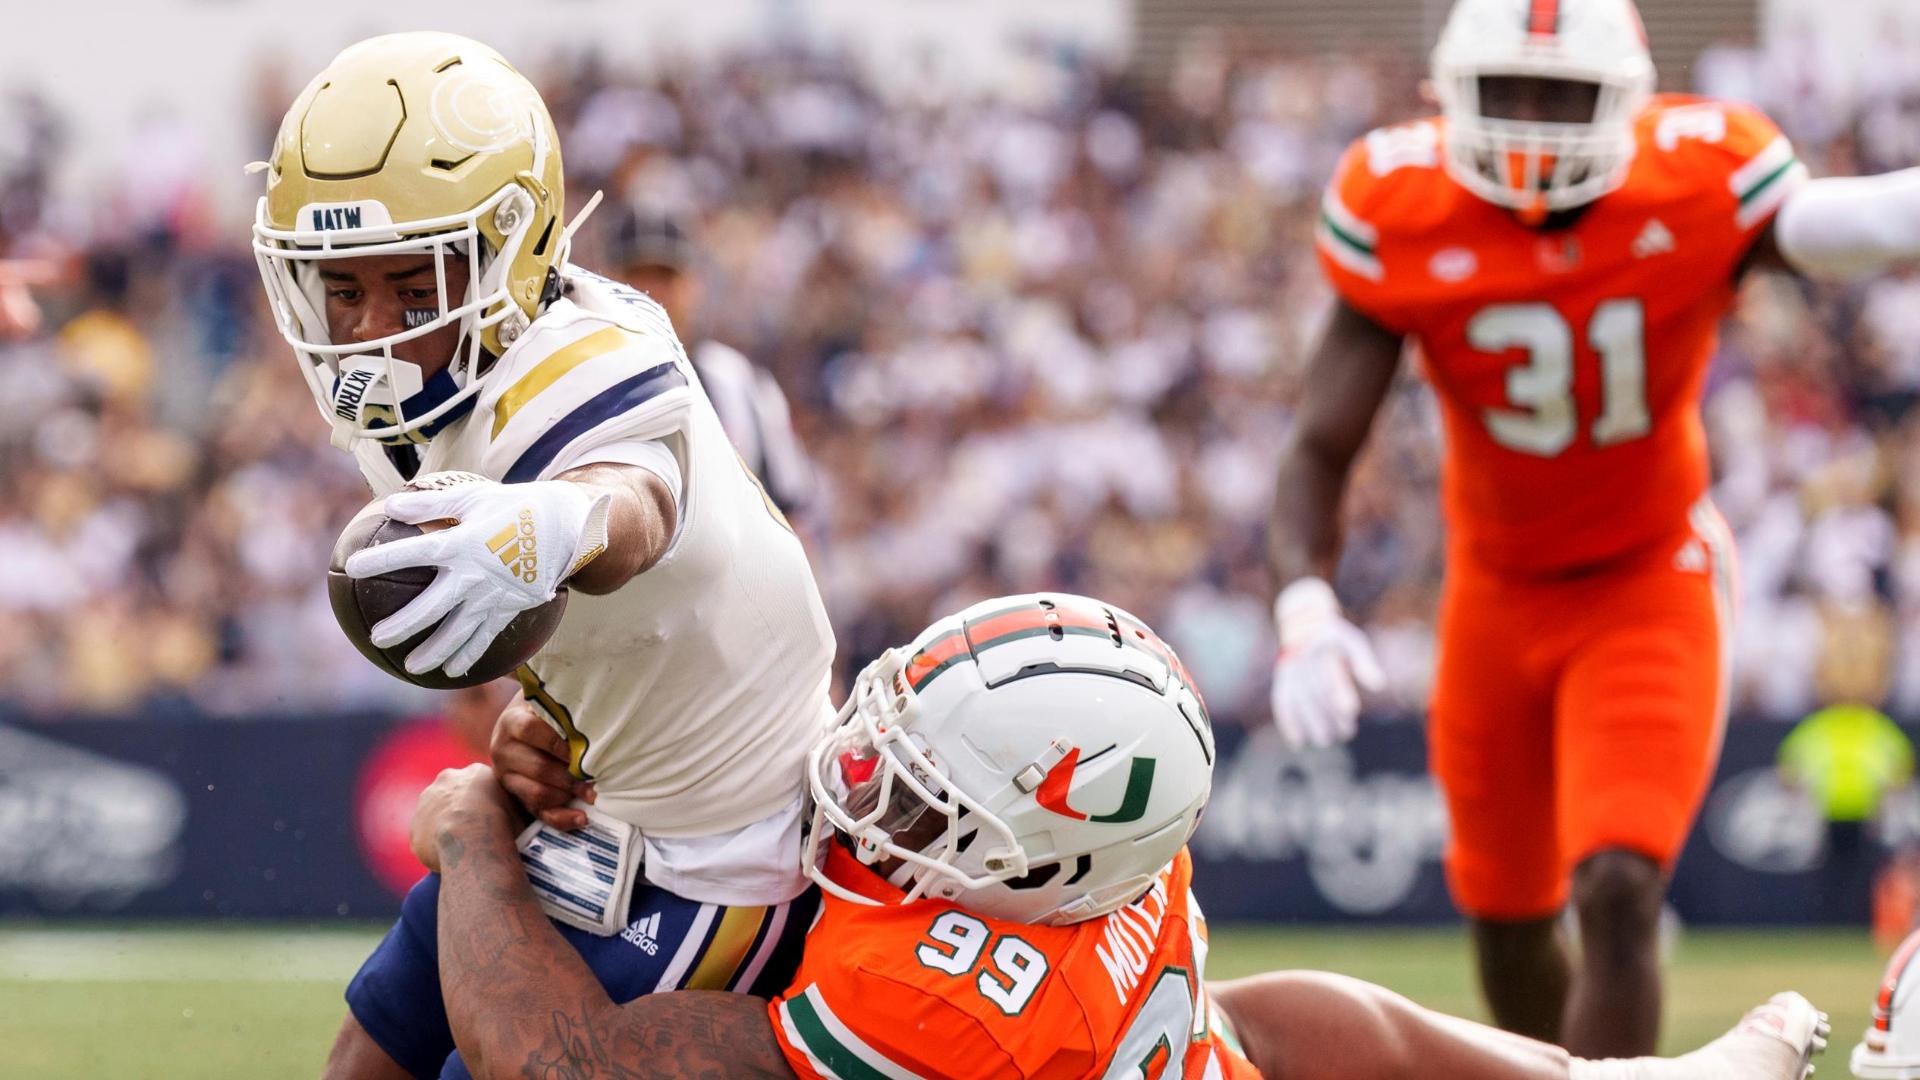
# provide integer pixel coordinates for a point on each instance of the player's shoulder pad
(1731, 149)
(579, 378)
(854, 1020)
(1385, 177)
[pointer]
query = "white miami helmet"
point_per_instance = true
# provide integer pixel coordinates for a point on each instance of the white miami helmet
(1530, 165)
(1890, 1050)
(1034, 758)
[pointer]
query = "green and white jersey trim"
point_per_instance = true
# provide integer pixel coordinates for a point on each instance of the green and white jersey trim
(1347, 240)
(1196, 936)
(1763, 183)
(830, 1045)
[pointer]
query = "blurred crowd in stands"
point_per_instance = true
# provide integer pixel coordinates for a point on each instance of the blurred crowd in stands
(1049, 338)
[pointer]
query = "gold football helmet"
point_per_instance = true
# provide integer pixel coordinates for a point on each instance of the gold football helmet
(423, 143)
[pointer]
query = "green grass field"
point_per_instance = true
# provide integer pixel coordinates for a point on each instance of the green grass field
(263, 1002)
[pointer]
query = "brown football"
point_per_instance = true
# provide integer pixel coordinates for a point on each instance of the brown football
(360, 604)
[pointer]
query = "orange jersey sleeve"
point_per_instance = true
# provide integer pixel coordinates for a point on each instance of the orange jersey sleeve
(1381, 180)
(1726, 154)
(1568, 359)
(931, 990)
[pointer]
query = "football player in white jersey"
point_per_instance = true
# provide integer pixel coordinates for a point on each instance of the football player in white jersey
(413, 248)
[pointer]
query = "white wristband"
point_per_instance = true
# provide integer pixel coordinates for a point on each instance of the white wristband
(1302, 608)
(593, 534)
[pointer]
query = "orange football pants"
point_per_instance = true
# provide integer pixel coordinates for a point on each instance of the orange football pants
(1572, 715)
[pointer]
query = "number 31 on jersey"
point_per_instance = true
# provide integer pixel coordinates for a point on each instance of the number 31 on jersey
(1544, 421)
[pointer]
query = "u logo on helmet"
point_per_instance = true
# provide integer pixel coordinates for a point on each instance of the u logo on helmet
(476, 115)
(1052, 792)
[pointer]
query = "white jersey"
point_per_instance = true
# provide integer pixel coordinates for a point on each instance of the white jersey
(691, 694)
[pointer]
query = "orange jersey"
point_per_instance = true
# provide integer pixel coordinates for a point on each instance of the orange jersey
(1569, 362)
(929, 989)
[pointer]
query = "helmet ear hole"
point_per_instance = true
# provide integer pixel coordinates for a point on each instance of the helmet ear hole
(1036, 877)
(1080, 868)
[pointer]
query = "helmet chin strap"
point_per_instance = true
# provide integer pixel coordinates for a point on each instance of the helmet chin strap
(372, 391)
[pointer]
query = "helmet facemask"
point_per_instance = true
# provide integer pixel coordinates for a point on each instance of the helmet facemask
(362, 388)
(873, 782)
(1543, 158)
(1538, 164)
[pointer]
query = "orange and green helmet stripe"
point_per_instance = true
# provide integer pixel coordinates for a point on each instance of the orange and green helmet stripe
(999, 628)
(1031, 620)
(1543, 18)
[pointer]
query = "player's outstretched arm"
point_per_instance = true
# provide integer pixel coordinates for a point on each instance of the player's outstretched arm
(640, 521)
(1324, 659)
(511, 548)
(1347, 379)
(1844, 227)
(519, 998)
(1317, 1026)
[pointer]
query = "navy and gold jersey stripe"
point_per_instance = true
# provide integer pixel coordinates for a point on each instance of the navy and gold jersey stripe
(622, 396)
(550, 371)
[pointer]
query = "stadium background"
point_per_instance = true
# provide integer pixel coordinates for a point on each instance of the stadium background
(1037, 279)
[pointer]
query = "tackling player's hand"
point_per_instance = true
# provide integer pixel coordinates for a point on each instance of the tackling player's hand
(1316, 701)
(456, 793)
(511, 547)
(530, 759)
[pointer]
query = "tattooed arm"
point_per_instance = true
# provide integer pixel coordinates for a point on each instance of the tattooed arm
(521, 1001)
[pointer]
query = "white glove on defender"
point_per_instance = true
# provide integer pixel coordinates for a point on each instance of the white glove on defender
(512, 547)
(1322, 656)
(1776, 1041)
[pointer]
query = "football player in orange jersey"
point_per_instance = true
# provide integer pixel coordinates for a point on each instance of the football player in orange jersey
(1560, 245)
(1001, 814)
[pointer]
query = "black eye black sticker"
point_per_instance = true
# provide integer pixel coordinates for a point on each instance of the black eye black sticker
(419, 317)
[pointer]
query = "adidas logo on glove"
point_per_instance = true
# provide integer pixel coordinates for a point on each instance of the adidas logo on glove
(516, 548)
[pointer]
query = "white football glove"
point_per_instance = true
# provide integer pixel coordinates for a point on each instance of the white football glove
(512, 547)
(1776, 1041)
(1322, 656)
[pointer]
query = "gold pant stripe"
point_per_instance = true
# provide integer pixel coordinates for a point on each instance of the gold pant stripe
(728, 950)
